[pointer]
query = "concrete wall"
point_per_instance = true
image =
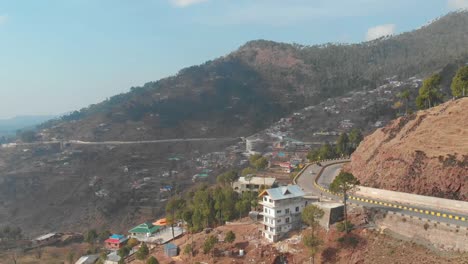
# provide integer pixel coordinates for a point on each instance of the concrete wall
(400, 197)
(431, 234)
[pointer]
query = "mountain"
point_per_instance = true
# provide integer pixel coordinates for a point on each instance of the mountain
(424, 153)
(11, 125)
(60, 187)
(262, 81)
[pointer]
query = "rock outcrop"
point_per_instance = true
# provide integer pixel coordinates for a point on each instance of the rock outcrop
(424, 153)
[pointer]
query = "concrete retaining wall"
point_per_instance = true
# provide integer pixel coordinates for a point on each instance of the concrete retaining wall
(420, 200)
(424, 232)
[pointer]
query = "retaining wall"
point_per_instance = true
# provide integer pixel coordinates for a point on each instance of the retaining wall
(414, 199)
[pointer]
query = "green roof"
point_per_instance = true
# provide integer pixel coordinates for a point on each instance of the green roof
(145, 228)
(203, 175)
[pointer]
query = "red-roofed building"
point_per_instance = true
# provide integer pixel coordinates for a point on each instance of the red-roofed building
(115, 242)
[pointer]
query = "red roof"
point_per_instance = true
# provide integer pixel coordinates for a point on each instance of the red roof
(112, 241)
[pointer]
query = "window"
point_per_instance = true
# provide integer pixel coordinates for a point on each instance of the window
(265, 199)
(278, 211)
(270, 201)
(286, 211)
(279, 221)
(297, 209)
(265, 210)
(287, 219)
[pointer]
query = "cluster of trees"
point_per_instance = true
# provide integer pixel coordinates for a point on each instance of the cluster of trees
(11, 233)
(430, 94)
(310, 239)
(208, 207)
(345, 145)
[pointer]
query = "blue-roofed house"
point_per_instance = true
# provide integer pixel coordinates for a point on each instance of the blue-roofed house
(282, 208)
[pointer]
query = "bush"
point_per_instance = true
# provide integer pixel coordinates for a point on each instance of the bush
(188, 249)
(230, 237)
(341, 226)
(132, 242)
(152, 260)
(426, 226)
(142, 252)
(348, 241)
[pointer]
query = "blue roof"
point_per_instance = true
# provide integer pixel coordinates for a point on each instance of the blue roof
(170, 246)
(116, 236)
(285, 192)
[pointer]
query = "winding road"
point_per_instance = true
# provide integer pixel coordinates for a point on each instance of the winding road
(315, 180)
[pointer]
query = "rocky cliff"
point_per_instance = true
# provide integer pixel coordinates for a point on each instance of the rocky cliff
(424, 153)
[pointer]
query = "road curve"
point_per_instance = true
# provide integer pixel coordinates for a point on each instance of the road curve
(315, 180)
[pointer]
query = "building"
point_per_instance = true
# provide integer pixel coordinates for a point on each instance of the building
(170, 250)
(254, 145)
(47, 239)
(88, 259)
(282, 208)
(333, 212)
(253, 184)
(115, 242)
(143, 231)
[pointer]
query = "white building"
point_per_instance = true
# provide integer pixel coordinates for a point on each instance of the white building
(253, 184)
(282, 208)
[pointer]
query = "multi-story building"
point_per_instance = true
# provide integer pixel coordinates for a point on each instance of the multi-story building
(282, 208)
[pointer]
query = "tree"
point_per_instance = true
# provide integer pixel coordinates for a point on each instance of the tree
(311, 215)
(152, 260)
(227, 178)
(261, 163)
(132, 242)
(355, 137)
(344, 183)
(91, 236)
(429, 94)
(254, 158)
(142, 252)
(230, 237)
(405, 95)
(342, 144)
(312, 242)
(71, 257)
(123, 252)
(247, 171)
(397, 106)
(175, 208)
(460, 82)
(104, 235)
(209, 244)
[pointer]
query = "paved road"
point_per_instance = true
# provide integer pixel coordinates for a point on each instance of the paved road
(79, 142)
(328, 173)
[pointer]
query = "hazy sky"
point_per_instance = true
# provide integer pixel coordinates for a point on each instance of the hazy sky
(61, 55)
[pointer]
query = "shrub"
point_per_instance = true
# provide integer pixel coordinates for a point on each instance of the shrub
(230, 237)
(152, 260)
(426, 226)
(341, 226)
(142, 252)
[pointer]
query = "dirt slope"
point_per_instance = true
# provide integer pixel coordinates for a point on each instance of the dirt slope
(424, 153)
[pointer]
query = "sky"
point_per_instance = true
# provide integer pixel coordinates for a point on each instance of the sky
(62, 55)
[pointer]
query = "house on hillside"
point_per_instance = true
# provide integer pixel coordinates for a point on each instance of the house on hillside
(282, 208)
(253, 184)
(115, 242)
(143, 231)
(47, 239)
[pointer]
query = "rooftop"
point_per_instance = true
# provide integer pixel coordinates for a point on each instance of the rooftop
(257, 180)
(284, 192)
(145, 228)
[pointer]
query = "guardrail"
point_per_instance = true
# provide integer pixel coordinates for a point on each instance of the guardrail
(386, 204)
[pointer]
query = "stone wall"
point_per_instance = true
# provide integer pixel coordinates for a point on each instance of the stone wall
(431, 234)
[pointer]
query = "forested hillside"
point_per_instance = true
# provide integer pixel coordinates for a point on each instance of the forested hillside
(262, 81)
